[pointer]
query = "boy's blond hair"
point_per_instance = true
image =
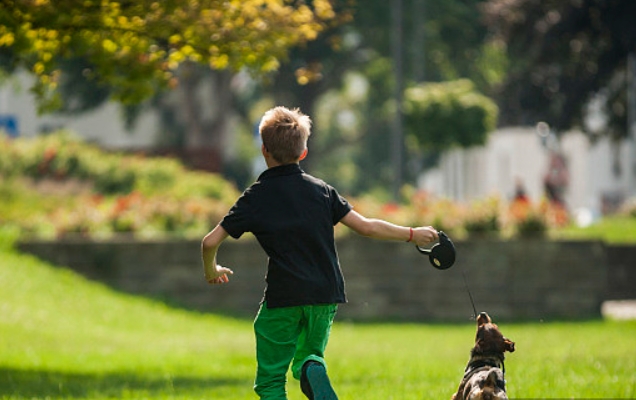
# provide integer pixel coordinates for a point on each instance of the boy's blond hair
(284, 133)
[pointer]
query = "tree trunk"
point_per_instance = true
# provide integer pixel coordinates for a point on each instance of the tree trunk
(206, 103)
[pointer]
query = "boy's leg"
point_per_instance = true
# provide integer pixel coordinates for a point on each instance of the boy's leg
(315, 383)
(276, 331)
(309, 365)
(313, 338)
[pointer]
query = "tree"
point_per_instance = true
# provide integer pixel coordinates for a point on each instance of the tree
(562, 54)
(442, 115)
(443, 40)
(137, 46)
(129, 51)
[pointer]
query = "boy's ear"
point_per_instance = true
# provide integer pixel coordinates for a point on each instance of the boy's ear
(303, 154)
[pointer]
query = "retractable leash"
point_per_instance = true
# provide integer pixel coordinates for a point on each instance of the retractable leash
(442, 256)
(472, 302)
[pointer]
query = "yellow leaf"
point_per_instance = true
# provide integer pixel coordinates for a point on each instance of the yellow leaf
(7, 39)
(109, 45)
(219, 62)
(173, 65)
(38, 68)
(270, 65)
(176, 57)
(187, 50)
(30, 33)
(323, 9)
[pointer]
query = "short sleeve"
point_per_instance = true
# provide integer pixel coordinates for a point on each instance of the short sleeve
(339, 205)
(238, 219)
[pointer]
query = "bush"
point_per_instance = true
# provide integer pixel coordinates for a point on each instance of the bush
(483, 217)
(122, 193)
(442, 115)
(98, 194)
(528, 220)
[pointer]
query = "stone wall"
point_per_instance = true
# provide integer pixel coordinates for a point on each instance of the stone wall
(512, 280)
(621, 283)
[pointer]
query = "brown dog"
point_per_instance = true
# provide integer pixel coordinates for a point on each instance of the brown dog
(484, 375)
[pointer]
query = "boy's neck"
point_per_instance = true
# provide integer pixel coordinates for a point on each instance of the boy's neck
(274, 163)
(271, 161)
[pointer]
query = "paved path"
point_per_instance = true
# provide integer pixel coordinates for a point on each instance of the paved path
(619, 309)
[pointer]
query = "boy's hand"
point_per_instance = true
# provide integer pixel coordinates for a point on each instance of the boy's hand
(424, 235)
(217, 274)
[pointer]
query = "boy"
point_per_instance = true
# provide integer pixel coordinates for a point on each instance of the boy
(292, 214)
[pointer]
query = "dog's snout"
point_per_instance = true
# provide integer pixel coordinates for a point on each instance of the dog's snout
(483, 318)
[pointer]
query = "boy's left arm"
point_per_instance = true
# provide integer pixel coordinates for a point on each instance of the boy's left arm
(213, 272)
(381, 229)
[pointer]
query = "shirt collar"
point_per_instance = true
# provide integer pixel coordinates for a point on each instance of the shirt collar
(281, 170)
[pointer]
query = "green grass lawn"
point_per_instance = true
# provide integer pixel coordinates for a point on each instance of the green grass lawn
(619, 229)
(62, 336)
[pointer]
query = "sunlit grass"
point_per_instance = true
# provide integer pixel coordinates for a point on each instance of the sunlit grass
(611, 229)
(65, 337)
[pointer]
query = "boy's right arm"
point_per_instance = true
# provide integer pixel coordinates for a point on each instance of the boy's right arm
(380, 229)
(213, 272)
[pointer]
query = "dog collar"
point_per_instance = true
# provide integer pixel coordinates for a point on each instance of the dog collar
(478, 362)
(485, 364)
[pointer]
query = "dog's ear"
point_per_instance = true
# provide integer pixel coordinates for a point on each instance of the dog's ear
(509, 345)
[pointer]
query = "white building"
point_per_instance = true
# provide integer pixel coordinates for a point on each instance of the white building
(104, 125)
(520, 154)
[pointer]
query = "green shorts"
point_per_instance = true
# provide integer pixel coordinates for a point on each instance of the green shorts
(289, 335)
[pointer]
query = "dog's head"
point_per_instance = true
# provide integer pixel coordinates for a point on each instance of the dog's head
(489, 339)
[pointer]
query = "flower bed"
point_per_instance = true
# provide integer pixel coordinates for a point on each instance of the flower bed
(57, 185)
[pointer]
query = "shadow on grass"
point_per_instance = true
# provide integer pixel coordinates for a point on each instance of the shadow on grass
(51, 384)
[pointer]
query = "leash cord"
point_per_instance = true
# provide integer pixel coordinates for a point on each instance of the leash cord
(470, 295)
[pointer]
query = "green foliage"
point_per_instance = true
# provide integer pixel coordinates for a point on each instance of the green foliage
(533, 224)
(58, 185)
(443, 115)
(8, 236)
(62, 156)
(484, 217)
(563, 54)
(136, 47)
(441, 40)
(67, 337)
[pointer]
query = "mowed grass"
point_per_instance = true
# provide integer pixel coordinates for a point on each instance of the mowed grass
(615, 229)
(63, 337)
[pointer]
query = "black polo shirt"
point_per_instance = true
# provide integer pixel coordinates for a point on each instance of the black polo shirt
(292, 214)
